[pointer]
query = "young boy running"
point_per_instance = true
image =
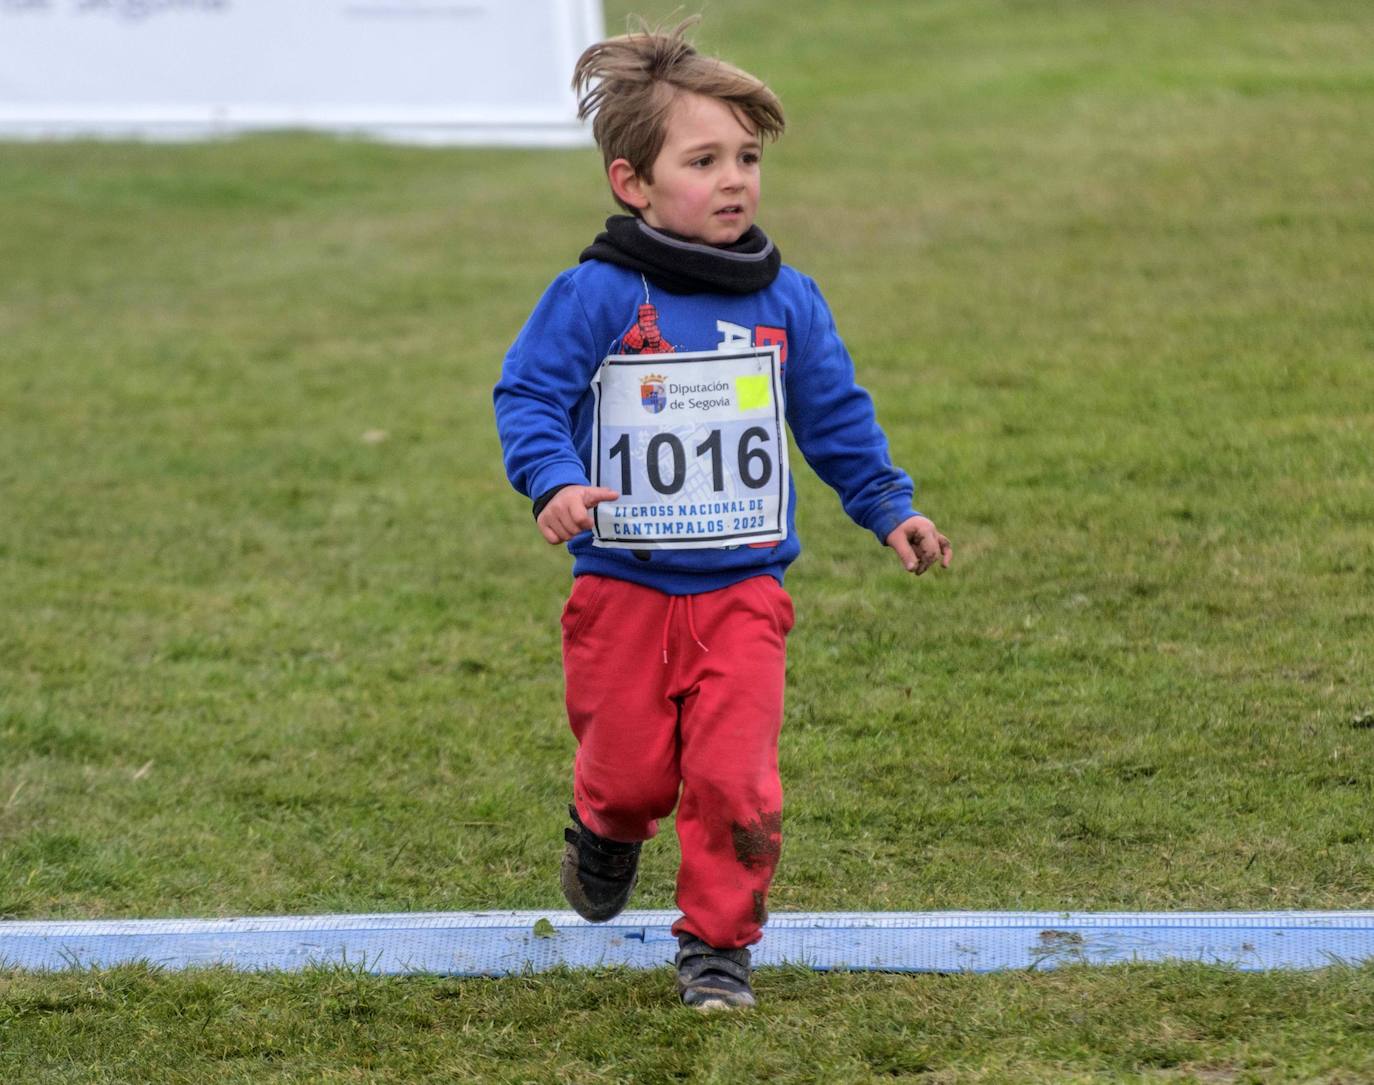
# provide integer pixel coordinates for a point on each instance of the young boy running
(642, 409)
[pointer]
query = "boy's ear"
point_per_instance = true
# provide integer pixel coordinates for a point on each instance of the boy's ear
(626, 183)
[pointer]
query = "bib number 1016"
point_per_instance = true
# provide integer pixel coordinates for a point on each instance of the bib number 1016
(753, 463)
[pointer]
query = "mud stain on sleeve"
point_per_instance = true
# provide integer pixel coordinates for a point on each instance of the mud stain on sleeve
(760, 907)
(758, 843)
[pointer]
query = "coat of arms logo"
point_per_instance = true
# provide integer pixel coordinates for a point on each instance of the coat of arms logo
(653, 397)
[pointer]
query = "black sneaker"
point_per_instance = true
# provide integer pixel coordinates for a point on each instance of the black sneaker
(710, 978)
(597, 875)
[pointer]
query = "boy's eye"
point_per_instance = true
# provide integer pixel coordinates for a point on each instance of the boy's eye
(751, 158)
(704, 160)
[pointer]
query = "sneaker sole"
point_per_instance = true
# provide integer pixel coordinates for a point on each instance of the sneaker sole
(718, 1005)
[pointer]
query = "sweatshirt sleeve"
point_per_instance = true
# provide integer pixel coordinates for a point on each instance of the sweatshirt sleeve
(545, 375)
(833, 421)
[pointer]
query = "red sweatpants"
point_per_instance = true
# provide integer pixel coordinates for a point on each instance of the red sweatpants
(667, 692)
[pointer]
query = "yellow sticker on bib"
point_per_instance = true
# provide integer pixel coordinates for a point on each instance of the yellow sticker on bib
(754, 392)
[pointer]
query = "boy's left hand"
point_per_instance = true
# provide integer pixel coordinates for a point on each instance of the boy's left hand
(920, 545)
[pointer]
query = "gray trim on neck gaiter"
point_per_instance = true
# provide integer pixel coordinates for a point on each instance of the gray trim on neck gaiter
(709, 250)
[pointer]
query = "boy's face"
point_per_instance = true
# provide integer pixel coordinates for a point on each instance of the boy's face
(706, 177)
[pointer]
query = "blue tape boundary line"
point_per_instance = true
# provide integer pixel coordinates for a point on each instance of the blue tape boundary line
(507, 943)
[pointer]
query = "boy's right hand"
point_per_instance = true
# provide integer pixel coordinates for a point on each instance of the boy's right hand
(568, 513)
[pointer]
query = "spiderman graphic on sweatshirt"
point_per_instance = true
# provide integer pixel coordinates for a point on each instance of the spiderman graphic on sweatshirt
(645, 337)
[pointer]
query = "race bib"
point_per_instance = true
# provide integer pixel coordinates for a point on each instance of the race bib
(696, 446)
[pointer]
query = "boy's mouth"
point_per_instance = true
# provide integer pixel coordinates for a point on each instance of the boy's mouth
(733, 209)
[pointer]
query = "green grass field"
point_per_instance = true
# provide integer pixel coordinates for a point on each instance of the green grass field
(278, 637)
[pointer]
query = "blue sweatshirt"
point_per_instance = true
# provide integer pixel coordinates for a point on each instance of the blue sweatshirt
(544, 407)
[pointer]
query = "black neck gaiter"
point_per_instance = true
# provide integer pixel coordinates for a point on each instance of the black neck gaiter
(680, 266)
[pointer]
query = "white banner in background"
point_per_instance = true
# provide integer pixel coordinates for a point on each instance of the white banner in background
(428, 71)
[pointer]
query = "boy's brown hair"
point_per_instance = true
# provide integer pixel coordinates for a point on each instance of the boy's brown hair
(631, 82)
